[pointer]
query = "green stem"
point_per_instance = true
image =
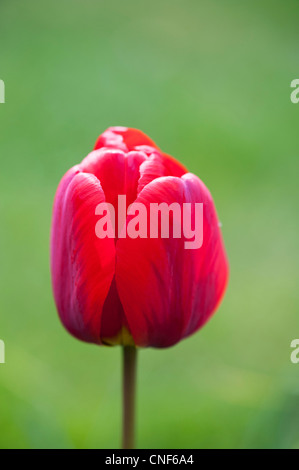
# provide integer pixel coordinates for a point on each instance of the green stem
(129, 387)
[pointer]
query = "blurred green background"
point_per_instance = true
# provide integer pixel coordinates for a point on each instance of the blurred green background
(210, 83)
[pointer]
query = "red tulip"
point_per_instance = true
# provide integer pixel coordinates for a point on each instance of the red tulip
(141, 291)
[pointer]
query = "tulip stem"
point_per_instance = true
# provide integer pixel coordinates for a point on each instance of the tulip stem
(129, 387)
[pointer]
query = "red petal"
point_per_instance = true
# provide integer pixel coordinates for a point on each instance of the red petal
(118, 173)
(167, 291)
(157, 165)
(150, 169)
(173, 167)
(123, 138)
(120, 176)
(82, 264)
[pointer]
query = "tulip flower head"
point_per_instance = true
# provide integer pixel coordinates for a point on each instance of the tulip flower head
(119, 275)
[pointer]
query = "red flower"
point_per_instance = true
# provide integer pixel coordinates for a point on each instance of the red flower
(142, 291)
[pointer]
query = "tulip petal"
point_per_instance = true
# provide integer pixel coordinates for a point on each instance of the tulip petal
(150, 169)
(118, 173)
(142, 154)
(109, 168)
(82, 265)
(114, 325)
(123, 138)
(157, 165)
(168, 291)
(172, 166)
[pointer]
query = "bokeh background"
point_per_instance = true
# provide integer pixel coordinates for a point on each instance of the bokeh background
(209, 81)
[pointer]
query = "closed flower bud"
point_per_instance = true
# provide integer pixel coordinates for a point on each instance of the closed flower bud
(134, 290)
